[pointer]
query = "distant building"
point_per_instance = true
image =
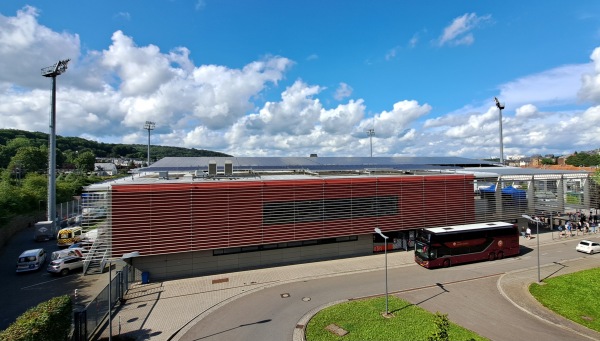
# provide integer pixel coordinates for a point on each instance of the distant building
(105, 169)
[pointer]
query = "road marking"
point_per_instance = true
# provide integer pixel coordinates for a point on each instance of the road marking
(35, 285)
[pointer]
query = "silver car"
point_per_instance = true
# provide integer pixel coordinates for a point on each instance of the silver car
(65, 265)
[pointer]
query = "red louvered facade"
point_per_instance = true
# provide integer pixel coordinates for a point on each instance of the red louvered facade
(163, 217)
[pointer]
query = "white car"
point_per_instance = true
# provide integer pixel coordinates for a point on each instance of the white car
(588, 247)
(65, 265)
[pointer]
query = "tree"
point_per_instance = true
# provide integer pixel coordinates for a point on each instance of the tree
(85, 161)
(28, 159)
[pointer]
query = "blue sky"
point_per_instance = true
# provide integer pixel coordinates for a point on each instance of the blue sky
(291, 78)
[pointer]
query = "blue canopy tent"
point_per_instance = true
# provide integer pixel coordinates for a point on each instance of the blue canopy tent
(510, 196)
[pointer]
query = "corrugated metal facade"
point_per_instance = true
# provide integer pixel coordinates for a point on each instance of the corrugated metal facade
(165, 218)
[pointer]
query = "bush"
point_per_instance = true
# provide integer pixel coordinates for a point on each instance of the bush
(48, 321)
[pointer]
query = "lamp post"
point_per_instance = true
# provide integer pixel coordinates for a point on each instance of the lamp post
(500, 106)
(149, 126)
(371, 133)
(377, 230)
(537, 237)
(125, 256)
(53, 71)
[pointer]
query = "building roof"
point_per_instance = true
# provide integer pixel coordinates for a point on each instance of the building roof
(316, 163)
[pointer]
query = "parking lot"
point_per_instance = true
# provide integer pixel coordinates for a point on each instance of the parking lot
(22, 291)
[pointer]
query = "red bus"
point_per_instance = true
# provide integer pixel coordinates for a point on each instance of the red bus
(451, 245)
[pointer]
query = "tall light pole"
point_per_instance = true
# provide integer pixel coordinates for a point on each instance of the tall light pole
(377, 230)
(53, 71)
(500, 106)
(371, 133)
(149, 126)
(537, 237)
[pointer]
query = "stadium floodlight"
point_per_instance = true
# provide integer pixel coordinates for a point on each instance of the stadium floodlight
(500, 106)
(149, 126)
(371, 133)
(52, 71)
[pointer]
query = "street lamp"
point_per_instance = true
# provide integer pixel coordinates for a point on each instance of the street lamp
(53, 71)
(377, 230)
(537, 227)
(149, 126)
(371, 133)
(500, 106)
(110, 263)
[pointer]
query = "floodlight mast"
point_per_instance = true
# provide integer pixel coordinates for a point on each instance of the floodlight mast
(500, 106)
(371, 133)
(53, 71)
(149, 125)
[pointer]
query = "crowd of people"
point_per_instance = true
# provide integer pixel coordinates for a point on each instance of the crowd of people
(575, 224)
(578, 223)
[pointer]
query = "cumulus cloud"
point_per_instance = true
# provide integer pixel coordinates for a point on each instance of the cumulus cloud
(27, 47)
(108, 94)
(459, 32)
(590, 89)
(343, 91)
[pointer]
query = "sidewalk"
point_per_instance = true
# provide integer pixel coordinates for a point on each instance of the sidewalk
(166, 310)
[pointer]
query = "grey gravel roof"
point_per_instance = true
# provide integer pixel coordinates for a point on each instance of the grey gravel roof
(316, 163)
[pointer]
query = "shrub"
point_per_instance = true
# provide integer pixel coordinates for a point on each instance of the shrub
(48, 321)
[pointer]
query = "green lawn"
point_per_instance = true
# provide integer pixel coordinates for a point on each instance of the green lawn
(574, 296)
(363, 320)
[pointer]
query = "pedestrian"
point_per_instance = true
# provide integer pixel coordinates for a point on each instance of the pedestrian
(593, 226)
(528, 233)
(560, 231)
(569, 227)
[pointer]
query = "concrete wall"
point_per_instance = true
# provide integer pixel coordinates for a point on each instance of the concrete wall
(190, 264)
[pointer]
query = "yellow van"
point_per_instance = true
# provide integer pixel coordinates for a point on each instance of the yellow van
(69, 236)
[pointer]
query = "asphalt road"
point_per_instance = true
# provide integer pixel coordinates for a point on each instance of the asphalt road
(25, 290)
(467, 293)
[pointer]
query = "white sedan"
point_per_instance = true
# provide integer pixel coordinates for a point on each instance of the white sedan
(588, 247)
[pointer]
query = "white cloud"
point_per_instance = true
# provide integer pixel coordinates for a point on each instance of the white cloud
(459, 31)
(27, 47)
(109, 94)
(343, 91)
(590, 90)
(560, 86)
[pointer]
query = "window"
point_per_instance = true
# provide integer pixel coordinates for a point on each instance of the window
(288, 212)
(252, 248)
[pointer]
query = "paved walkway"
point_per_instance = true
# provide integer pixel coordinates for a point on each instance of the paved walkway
(166, 310)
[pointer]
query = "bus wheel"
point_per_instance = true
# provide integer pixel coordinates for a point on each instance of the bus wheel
(492, 256)
(500, 255)
(446, 263)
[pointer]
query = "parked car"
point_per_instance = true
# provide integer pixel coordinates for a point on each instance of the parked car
(66, 253)
(588, 247)
(31, 260)
(65, 265)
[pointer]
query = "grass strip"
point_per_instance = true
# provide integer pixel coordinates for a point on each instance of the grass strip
(364, 321)
(573, 296)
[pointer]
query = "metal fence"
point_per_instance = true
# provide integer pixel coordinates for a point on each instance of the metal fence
(90, 320)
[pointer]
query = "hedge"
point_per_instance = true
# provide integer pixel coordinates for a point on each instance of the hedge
(48, 321)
